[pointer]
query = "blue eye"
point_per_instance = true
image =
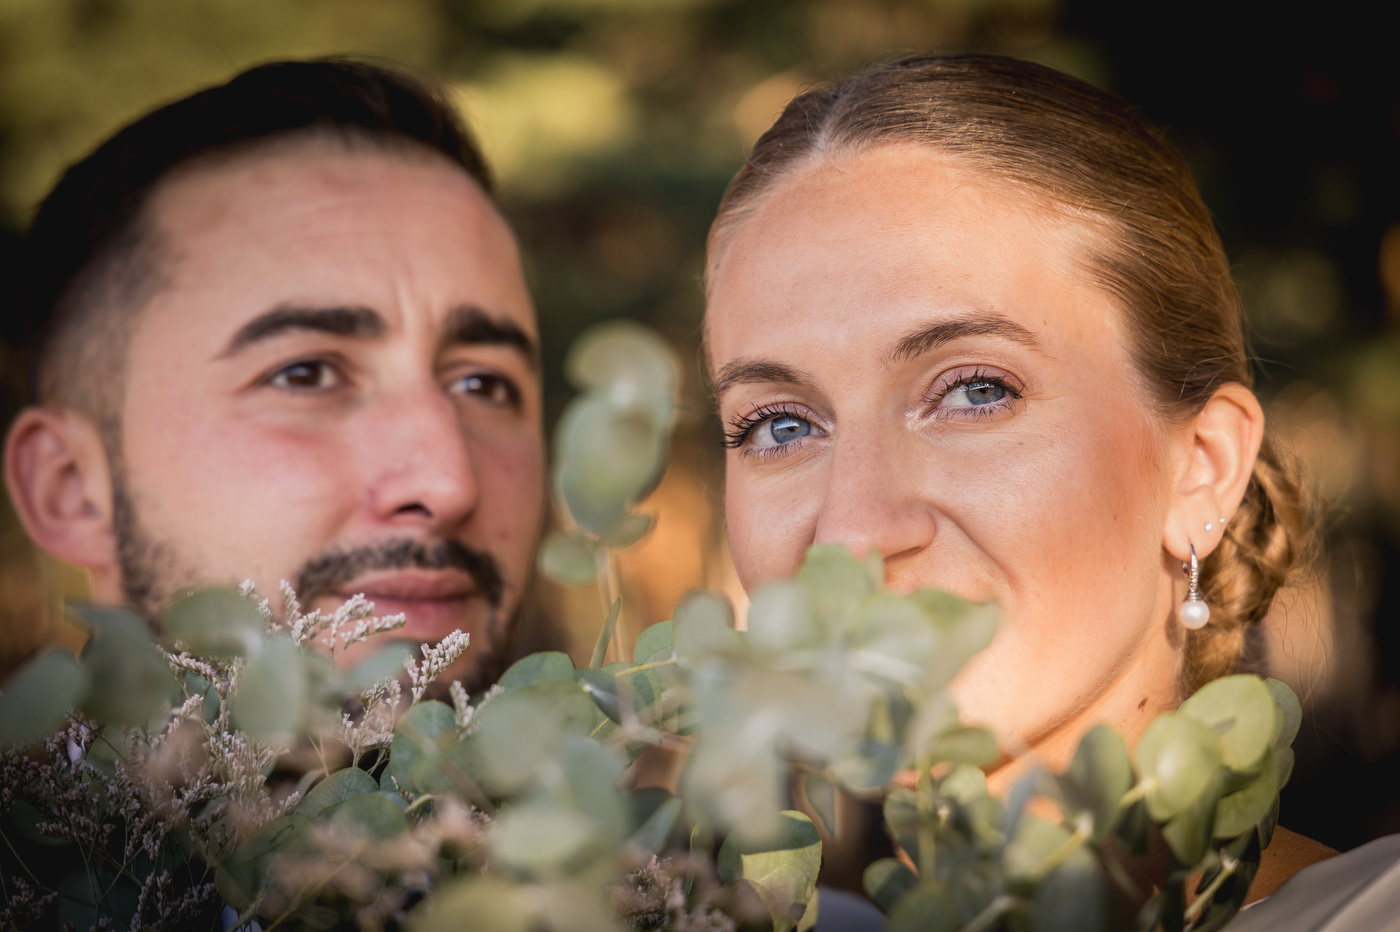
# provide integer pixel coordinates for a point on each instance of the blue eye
(976, 394)
(780, 430)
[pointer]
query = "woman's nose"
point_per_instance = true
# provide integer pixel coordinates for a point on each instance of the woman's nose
(873, 502)
(422, 468)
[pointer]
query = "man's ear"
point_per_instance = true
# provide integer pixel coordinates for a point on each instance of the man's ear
(61, 484)
(1215, 461)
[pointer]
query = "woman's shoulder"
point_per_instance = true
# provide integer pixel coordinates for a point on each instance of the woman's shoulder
(1321, 892)
(1287, 854)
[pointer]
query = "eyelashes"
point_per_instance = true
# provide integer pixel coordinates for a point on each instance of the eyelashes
(742, 426)
(962, 394)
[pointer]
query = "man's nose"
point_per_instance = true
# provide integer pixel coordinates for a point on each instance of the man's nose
(873, 501)
(421, 466)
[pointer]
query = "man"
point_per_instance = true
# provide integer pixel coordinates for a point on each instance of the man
(286, 335)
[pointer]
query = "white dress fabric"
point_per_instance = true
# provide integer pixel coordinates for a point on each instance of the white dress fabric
(1354, 892)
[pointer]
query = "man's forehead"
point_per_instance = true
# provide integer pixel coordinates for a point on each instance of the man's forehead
(315, 224)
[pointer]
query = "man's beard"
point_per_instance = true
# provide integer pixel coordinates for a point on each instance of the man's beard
(151, 575)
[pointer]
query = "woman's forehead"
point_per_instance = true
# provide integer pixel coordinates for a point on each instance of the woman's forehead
(872, 242)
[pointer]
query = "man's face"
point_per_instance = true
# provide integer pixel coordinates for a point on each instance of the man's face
(336, 387)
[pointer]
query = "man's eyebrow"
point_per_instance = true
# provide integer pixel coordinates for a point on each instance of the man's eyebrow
(336, 321)
(748, 370)
(917, 342)
(472, 325)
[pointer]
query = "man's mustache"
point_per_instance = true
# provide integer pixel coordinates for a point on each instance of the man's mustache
(335, 570)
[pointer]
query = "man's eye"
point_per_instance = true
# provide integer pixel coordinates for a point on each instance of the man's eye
(494, 389)
(307, 374)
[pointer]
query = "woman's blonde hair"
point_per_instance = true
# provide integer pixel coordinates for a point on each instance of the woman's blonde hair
(1087, 155)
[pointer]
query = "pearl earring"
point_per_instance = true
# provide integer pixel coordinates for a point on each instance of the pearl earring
(1194, 612)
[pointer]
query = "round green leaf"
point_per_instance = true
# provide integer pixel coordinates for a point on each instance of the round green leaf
(1100, 773)
(336, 788)
(419, 737)
(1183, 757)
(1291, 712)
(518, 732)
(704, 626)
(783, 868)
(215, 623)
(271, 699)
(490, 902)
(608, 459)
(886, 880)
(570, 558)
(633, 365)
(630, 530)
(129, 680)
(1188, 832)
(38, 697)
(656, 643)
(1030, 848)
(781, 619)
(1240, 811)
(241, 876)
(543, 838)
(1071, 898)
(538, 667)
(372, 815)
(926, 908)
(1241, 710)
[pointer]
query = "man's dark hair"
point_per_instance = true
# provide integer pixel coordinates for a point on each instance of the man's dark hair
(91, 257)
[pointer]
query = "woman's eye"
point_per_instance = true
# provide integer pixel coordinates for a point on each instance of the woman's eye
(493, 389)
(780, 430)
(305, 375)
(976, 394)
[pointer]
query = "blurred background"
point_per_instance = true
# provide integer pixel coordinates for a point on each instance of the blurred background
(614, 126)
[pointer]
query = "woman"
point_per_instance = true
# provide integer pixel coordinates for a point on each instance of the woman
(971, 313)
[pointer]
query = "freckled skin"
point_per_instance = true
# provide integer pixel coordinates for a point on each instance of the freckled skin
(243, 479)
(1053, 504)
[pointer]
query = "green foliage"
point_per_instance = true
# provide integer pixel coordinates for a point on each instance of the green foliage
(510, 807)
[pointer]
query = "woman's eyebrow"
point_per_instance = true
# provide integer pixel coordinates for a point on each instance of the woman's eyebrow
(919, 341)
(747, 370)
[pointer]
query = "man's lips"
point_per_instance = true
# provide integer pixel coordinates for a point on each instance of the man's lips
(435, 602)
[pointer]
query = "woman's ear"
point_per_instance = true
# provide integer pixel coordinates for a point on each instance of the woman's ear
(1215, 460)
(60, 481)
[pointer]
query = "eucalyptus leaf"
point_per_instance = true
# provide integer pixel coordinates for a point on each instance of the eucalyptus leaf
(963, 745)
(519, 731)
(628, 531)
(886, 880)
(215, 623)
(271, 699)
(652, 833)
(1098, 776)
(784, 869)
(926, 908)
(1240, 811)
(1241, 710)
(656, 643)
(335, 788)
(965, 783)
(704, 627)
(538, 667)
(1071, 898)
(37, 698)
(1028, 851)
(370, 815)
(631, 363)
(1183, 757)
(608, 458)
(491, 902)
(1188, 832)
(781, 619)
(128, 678)
(571, 558)
(1290, 709)
(419, 738)
(243, 875)
(542, 839)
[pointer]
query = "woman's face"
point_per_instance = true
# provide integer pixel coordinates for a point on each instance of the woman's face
(909, 358)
